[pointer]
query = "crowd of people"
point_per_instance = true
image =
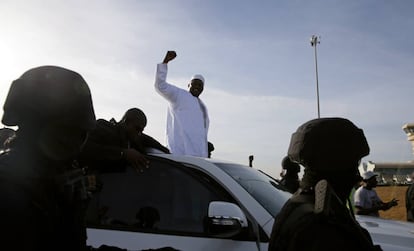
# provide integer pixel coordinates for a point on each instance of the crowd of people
(46, 165)
(43, 206)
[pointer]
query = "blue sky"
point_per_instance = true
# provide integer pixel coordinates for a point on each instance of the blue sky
(255, 56)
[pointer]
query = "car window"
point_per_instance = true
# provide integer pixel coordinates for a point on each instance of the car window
(263, 188)
(167, 198)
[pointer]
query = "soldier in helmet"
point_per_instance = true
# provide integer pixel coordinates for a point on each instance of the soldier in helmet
(290, 178)
(40, 202)
(316, 216)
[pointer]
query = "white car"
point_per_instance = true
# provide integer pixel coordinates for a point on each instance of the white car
(191, 203)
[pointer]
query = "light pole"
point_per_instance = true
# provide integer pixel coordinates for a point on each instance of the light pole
(314, 40)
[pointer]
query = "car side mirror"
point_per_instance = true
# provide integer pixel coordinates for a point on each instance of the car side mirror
(225, 219)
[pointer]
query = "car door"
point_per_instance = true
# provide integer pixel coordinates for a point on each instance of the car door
(166, 205)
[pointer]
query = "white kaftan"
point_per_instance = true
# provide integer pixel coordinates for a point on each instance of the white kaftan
(187, 118)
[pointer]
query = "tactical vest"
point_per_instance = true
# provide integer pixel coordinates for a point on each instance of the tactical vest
(320, 209)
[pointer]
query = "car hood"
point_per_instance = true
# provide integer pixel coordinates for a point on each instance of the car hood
(390, 234)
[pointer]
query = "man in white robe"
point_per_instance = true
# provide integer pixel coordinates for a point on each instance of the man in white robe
(187, 117)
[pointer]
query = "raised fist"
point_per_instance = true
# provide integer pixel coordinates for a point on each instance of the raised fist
(169, 56)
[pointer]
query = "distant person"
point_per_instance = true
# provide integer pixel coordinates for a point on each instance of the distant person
(41, 204)
(210, 148)
(316, 216)
(366, 199)
(187, 117)
(113, 145)
(290, 178)
(409, 200)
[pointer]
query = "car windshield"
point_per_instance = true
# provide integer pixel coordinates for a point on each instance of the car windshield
(262, 187)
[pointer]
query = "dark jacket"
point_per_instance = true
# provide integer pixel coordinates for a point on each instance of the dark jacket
(103, 149)
(37, 211)
(298, 228)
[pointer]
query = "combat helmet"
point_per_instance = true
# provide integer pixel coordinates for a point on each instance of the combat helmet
(328, 143)
(49, 93)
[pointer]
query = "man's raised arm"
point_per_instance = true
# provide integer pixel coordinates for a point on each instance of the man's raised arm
(168, 91)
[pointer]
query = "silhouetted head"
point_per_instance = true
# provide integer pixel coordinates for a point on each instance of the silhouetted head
(370, 179)
(53, 106)
(134, 121)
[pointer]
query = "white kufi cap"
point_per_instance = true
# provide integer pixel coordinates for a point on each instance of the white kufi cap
(368, 175)
(198, 76)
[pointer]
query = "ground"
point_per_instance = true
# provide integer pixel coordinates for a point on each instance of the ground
(387, 193)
